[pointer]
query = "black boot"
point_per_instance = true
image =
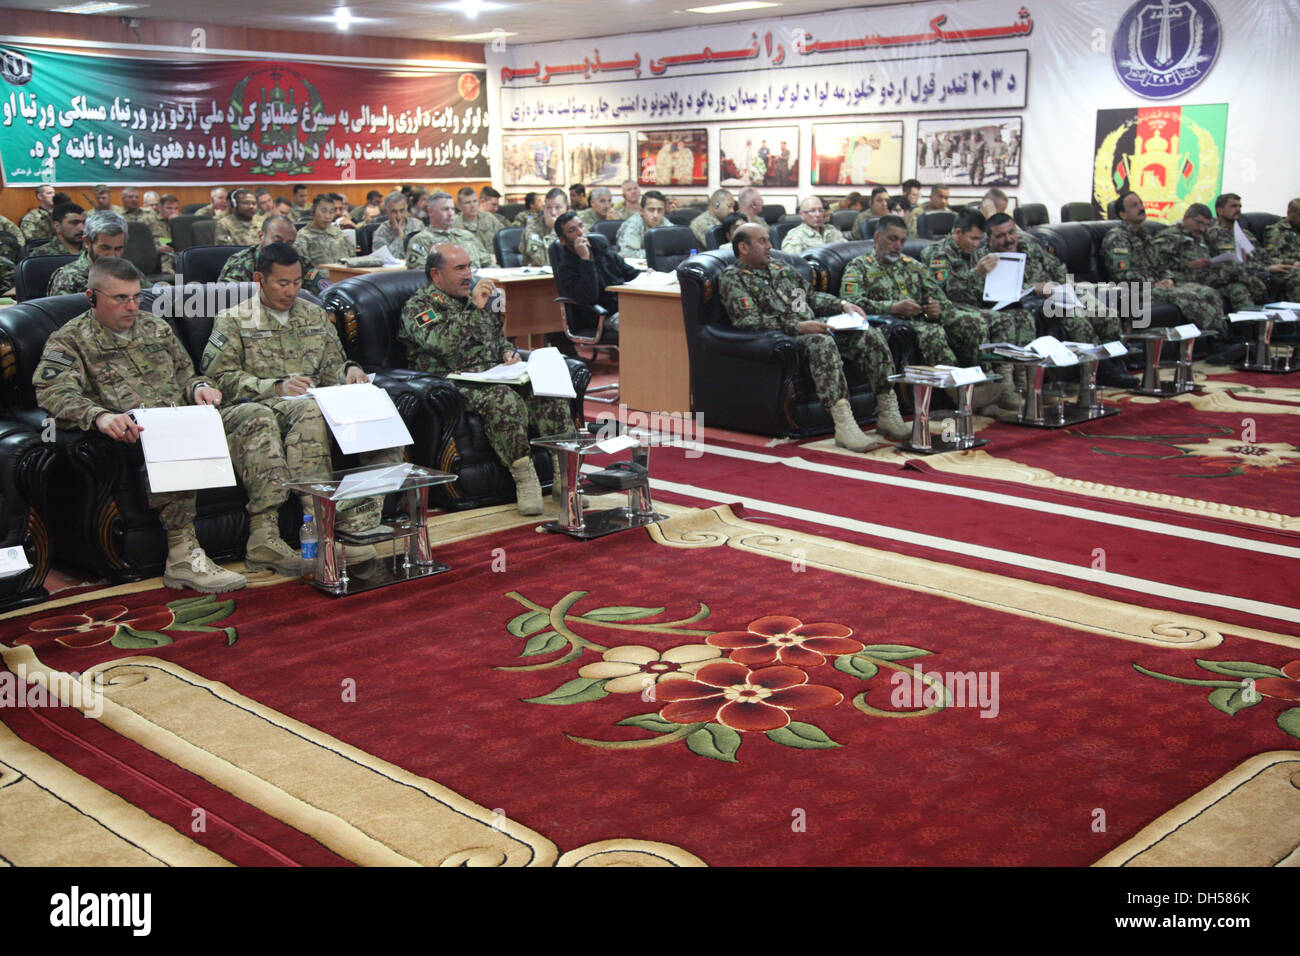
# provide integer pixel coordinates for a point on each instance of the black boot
(1111, 372)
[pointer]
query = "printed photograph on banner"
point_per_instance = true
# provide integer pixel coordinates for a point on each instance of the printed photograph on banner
(857, 154)
(599, 159)
(672, 157)
(759, 156)
(536, 160)
(977, 152)
(1171, 156)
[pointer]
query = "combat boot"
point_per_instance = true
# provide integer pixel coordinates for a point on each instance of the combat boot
(528, 490)
(188, 567)
(889, 420)
(847, 433)
(1008, 400)
(266, 550)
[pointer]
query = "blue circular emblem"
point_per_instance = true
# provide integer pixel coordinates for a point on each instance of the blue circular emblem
(1163, 48)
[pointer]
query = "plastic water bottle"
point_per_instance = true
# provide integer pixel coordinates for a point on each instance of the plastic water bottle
(307, 540)
(694, 252)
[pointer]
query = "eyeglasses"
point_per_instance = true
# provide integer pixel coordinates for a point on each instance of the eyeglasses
(122, 299)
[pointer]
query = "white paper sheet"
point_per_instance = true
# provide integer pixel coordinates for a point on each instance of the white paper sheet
(367, 434)
(13, 561)
(1115, 349)
(372, 482)
(549, 374)
(1247, 316)
(1006, 282)
(1188, 331)
(1282, 305)
(1064, 297)
(1244, 246)
(1051, 347)
(654, 280)
(353, 404)
(184, 448)
(617, 444)
(515, 373)
(964, 376)
(1225, 257)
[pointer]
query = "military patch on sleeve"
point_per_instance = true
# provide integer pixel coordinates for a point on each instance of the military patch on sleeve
(50, 371)
(217, 340)
(849, 288)
(940, 275)
(745, 303)
(427, 317)
(59, 358)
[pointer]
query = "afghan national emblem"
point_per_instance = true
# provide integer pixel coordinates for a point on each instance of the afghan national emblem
(282, 133)
(1163, 48)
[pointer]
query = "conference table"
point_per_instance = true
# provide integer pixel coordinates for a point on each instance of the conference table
(654, 373)
(531, 310)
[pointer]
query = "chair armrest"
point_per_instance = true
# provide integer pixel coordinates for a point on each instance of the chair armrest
(757, 346)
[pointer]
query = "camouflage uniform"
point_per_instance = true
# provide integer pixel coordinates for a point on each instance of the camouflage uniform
(1176, 247)
(778, 298)
(303, 211)
(1282, 245)
(701, 225)
(386, 235)
(631, 237)
(803, 237)
(323, 245)
(207, 211)
(233, 231)
(87, 370)
(1088, 323)
(1129, 255)
(621, 210)
(15, 234)
(161, 232)
(955, 273)
(1220, 238)
(589, 218)
(522, 218)
(250, 351)
(37, 224)
(535, 242)
(484, 227)
(875, 285)
(418, 247)
(240, 268)
(72, 277)
(443, 334)
(54, 247)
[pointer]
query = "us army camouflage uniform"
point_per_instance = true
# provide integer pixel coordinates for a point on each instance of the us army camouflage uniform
(54, 247)
(777, 298)
(207, 211)
(417, 248)
(631, 238)
(87, 370)
(443, 334)
(1239, 289)
(323, 245)
(1282, 245)
(955, 273)
(522, 218)
(701, 225)
(588, 217)
(250, 352)
(535, 242)
(161, 232)
(621, 210)
(875, 285)
(1129, 255)
(484, 227)
(37, 224)
(240, 268)
(386, 235)
(297, 212)
(72, 277)
(233, 231)
(15, 236)
(803, 237)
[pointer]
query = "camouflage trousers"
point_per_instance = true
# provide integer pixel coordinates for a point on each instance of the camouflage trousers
(932, 342)
(826, 355)
(6, 275)
(254, 440)
(1239, 288)
(1286, 285)
(1198, 303)
(507, 412)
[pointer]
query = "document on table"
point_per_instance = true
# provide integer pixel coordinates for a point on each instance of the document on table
(184, 448)
(654, 280)
(361, 417)
(1005, 284)
(1053, 348)
(545, 369)
(847, 322)
(1247, 316)
(13, 560)
(1188, 331)
(963, 376)
(374, 481)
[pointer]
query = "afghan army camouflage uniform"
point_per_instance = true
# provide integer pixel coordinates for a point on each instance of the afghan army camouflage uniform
(8, 256)
(701, 225)
(250, 351)
(87, 370)
(875, 285)
(14, 236)
(484, 228)
(954, 271)
(803, 237)
(445, 334)
(161, 232)
(323, 245)
(1239, 289)
(1220, 238)
(233, 231)
(631, 238)
(54, 247)
(240, 268)
(6, 275)
(418, 248)
(72, 277)
(1089, 322)
(1129, 255)
(1282, 245)
(777, 298)
(37, 224)
(535, 241)
(386, 235)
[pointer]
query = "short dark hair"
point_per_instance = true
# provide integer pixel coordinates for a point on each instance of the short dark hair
(653, 194)
(434, 260)
(63, 209)
(1119, 203)
(276, 253)
(998, 194)
(168, 197)
(910, 184)
(878, 190)
(61, 197)
(235, 196)
(578, 188)
(564, 218)
(557, 191)
(112, 267)
(298, 186)
(487, 192)
(731, 222)
(374, 194)
(529, 199)
(261, 191)
(854, 198)
(888, 222)
(967, 219)
(465, 191)
(278, 200)
(1222, 200)
(321, 199)
(997, 219)
(1198, 210)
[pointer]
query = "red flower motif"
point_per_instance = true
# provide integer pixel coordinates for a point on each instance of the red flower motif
(98, 625)
(1287, 688)
(742, 699)
(788, 640)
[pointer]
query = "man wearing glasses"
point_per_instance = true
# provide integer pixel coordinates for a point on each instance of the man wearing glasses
(113, 358)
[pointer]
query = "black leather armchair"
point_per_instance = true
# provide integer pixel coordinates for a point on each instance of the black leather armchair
(366, 236)
(668, 246)
(828, 264)
(1078, 212)
(933, 225)
(203, 263)
(842, 219)
(609, 229)
(367, 309)
(750, 381)
(772, 213)
(505, 244)
(867, 228)
(779, 232)
(32, 275)
(25, 466)
(1030, 214)
(182, 230)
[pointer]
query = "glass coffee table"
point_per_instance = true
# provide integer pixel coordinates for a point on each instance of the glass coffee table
(412, 555)
(632, 477)
(962, 437)
(1153, 340)
(1262, 355)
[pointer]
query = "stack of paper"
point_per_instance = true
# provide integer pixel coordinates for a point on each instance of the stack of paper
(545, 369)
(1006, 283)
(848, 322)
(654, 280)
(361, 417)
(184, 448)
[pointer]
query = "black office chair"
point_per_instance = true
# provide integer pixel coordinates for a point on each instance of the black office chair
(717, 239)
(609, 229)
(203, 263)
(842, 219)
(772, 214)
(141, 250)
(366, 236)
(585, 324)
(1030, 214)
(1258, 222)
(182, 230)
(510, 210)
(205, 232)
(1079, 212)
(867, 228)
(505, 244)
(778, 232)
(683, 217)
(667, 246)
(32, 275)
(932, 225)
(190, 208)
(31, 247)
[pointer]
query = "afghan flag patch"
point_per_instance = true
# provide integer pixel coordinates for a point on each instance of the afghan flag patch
(427, 317)
(745, 303)
(849, 288)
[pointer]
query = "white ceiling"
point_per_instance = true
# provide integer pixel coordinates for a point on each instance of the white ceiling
(431, 20)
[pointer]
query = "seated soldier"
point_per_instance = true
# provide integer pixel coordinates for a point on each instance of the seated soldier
(241, 266)
(489, 200)
(114, 358)
(721, 205)
(37, 223)
(442, 213)
(760, 294)
(878, 207)
(533, 203)
(601, 208)
(585, 273)
(540, 231)
(813, 231)
(105, 236)
(320, 240)
(69, 231)
(269, 350)
(1185, 256)
(238, 228)
(1282, 247)
(446, 328)
(133, 210)
(481, 224)
(631, 201)
(631, 235)
(398, 229)
(938, 202)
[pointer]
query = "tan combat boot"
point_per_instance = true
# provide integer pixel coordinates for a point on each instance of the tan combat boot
(188, 567)
(266, 550)
(528, 490)
(1008, 399)
(889, 420)
(847, 433)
